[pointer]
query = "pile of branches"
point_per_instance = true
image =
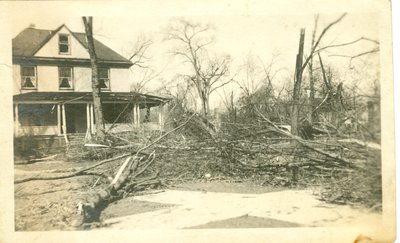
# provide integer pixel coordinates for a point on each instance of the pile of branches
(347, 169)
(133, 175)
(360, 186)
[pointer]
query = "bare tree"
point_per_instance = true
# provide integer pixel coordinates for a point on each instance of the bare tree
(269, 75)
(208, 73)
(139, 54)
(315, 50)
(96, 88)
(301, 65)
(251, 78)
(142, 78)
(228, 101)
(141, 60)
(255, 82)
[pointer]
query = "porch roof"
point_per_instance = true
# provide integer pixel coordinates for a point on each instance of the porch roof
(85, 97)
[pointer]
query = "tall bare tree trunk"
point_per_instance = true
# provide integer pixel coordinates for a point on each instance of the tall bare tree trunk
(98, 110)
(205, 107)
(297, 85)
(207, 102)
(311, 98)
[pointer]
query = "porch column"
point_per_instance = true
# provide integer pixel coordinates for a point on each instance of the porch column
(16, 121)
(91, 117)
(88, 129)
(64, 121)
(138, 115)
(134, 116)
(161, 116)
(88, 135)
(59, 119)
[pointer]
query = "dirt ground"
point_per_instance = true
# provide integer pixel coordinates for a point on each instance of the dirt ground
(51, 205)
(47, 205)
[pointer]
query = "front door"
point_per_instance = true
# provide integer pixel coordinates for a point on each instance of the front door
(75, 115)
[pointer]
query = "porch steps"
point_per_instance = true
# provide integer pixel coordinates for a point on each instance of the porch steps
(76, 139)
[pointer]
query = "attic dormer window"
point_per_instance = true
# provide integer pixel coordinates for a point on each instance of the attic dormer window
(64, 44)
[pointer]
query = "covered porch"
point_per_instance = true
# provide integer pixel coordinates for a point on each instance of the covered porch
(62, 113)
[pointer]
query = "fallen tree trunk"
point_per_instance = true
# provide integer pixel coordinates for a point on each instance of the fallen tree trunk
(90, 210)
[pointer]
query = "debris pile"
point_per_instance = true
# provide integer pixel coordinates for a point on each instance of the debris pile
(347, 169)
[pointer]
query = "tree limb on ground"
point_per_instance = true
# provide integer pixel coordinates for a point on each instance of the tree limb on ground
(304, 142)
(69, 175)
(81, 171)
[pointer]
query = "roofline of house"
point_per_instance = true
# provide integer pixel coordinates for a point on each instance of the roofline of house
(53, 32)
(81, 62)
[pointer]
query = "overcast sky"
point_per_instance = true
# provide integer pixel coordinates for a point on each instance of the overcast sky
(240, 28)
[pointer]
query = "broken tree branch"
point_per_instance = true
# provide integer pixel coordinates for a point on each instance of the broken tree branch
(69, 175)
(304, 142)
(347, 43)
(159, 138)
(121, 169)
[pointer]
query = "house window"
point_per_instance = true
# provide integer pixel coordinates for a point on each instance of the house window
(37, 114)
(104, 78)
(28, 77)
(65, 76)
(64, 44)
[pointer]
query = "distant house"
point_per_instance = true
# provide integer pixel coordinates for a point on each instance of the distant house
(52, 85)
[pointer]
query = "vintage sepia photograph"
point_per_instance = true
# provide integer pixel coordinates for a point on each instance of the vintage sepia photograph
(197, 119)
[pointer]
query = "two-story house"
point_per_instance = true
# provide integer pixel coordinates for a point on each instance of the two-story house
(52, 85)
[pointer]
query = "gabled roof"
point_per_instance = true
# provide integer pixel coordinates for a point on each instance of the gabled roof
(30, 40)
(26, 42)
(102, 51)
